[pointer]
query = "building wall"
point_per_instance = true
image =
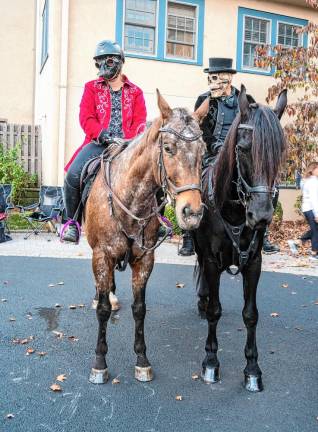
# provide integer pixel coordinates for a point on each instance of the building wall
(17, 60)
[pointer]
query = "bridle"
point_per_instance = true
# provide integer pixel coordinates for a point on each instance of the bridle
(166, 184)
(168, 187)
(244, 190)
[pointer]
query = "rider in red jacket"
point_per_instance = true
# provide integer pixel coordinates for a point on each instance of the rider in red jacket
(111, 107)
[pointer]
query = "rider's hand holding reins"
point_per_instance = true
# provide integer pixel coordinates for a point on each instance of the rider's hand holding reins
(104, 138)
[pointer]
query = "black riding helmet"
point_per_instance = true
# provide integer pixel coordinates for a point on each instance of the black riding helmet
(108, 47)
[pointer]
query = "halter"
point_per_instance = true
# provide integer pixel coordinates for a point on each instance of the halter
(241, 182)
(166, 184)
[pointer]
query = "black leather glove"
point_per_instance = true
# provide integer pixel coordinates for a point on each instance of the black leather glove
(104, 138)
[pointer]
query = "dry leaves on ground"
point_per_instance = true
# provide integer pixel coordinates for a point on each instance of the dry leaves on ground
(285, 285)
(61, 378)
(116, 381)
(29, 351)
(58, 334)
(41, 353)
(180, 285)
(195, 376)
(274, 314)
(10, 416)
(72, 338)
(56, 388)
(179, 398)
(12, 318)
(72, 307)
(280, 233)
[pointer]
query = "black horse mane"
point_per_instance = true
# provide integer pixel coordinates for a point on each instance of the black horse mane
(268, 152)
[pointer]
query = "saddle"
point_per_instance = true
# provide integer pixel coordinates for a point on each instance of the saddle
(92, 167)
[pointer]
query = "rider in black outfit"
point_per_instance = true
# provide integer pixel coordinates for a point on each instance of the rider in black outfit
(215, 126)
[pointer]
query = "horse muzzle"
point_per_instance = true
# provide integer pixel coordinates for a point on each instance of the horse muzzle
(188, 218)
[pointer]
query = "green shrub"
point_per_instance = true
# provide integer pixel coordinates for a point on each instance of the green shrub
(297, 205)
(278, 213)
(12, 172)
(171, 215)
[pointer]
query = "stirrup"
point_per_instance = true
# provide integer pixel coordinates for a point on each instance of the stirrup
(66, 225)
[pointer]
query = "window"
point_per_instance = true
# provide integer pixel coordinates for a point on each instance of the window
(181, 30)
(140, 26)
(257, 28)
(288, 36)
(256, 33)
(45, 29)
(162, 30)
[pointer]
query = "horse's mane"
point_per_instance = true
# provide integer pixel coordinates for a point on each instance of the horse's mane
(268, 152)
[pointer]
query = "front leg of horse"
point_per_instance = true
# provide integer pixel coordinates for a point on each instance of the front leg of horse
(141, 271)
(252, 372)
(211, 366)
(104, 278)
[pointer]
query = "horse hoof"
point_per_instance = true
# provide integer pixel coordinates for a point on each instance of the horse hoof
(210, 375)
(94, 304)
(98, 376)
(143, 374)
(253, 383)
(114, 302)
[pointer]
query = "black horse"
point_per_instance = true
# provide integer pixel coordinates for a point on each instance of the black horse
(238, 209)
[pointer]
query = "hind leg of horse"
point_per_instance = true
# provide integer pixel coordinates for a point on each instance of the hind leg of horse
(252, 372)
(112, 298)
(141, 271)
(211, 366)
(104, 278)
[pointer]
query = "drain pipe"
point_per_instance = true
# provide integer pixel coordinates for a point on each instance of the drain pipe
(63, 90)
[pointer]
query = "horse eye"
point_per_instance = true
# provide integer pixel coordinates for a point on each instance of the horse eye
(167, 149)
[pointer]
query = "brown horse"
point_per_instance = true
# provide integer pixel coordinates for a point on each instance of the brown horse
(122, 214)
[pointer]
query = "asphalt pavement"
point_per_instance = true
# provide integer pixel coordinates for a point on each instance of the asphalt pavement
(175, 336)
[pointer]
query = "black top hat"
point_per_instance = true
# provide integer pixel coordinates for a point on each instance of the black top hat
(217, 65)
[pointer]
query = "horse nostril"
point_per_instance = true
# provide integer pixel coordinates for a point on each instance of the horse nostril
(250, 215)
(186, 211)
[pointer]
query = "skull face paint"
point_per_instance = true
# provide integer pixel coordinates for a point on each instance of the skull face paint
(109, 67)
(220, 84)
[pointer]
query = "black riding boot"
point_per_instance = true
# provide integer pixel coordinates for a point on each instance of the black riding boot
(72, 199)
(187, 248)
(269, 247)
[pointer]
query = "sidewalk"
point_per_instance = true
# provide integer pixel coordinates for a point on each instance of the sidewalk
(48, 245)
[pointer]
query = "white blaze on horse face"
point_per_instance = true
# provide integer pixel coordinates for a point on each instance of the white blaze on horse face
(220, 84)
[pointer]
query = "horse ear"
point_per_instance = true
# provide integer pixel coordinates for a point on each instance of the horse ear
(243, 102)
(164, 107)
(203, 110)
(281, 103)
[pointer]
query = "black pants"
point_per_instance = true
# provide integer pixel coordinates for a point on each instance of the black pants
(72, 195)
(309, 215)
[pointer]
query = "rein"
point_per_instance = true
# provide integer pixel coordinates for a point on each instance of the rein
(166, 185)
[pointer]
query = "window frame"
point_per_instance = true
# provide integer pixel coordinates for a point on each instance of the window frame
(161, 32)
(255, 68)
(44, 35)
(275, 20)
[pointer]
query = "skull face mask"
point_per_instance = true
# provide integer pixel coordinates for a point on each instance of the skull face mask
(220, 84)
(109, 67)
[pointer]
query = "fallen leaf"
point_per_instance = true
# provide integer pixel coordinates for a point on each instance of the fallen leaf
(293, 292)
(41, 353)
(285, 285)
(56, 387)
(116, 381)
(10, 416)
(72, 307)
(316, 302)
(58, 334)
(57, 305)
(272, 352)
(73, 338)
(29, 351)
(299, 328)
(239, 329)
(4, 300)
(24, 341)
(195, 376)
(274, 314)
(29, 316)
(5, 282)
(81, 305)
(51, 285)
(61, 378)
(12, 318)
(60, 283)
(179, 398)
(180, 285)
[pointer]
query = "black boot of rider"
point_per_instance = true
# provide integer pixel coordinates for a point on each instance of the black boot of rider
(71, 200)
(269, 247)
(187, 248)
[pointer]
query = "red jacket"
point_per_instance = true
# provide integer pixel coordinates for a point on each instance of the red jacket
(95, 111)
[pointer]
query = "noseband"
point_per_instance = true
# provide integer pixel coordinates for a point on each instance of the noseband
(167, 185)
(244, 190)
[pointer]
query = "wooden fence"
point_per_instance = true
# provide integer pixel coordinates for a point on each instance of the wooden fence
(29, 139)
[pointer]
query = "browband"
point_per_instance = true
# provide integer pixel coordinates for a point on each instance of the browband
(180, 135)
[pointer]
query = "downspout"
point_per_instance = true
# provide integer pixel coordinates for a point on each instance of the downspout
(63, 90)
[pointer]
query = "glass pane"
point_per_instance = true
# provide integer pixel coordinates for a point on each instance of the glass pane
(139, 39)
(181, 28)
(181, 9)
(288, 36)
(141, 12)
(256, 30)
(179, 50)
